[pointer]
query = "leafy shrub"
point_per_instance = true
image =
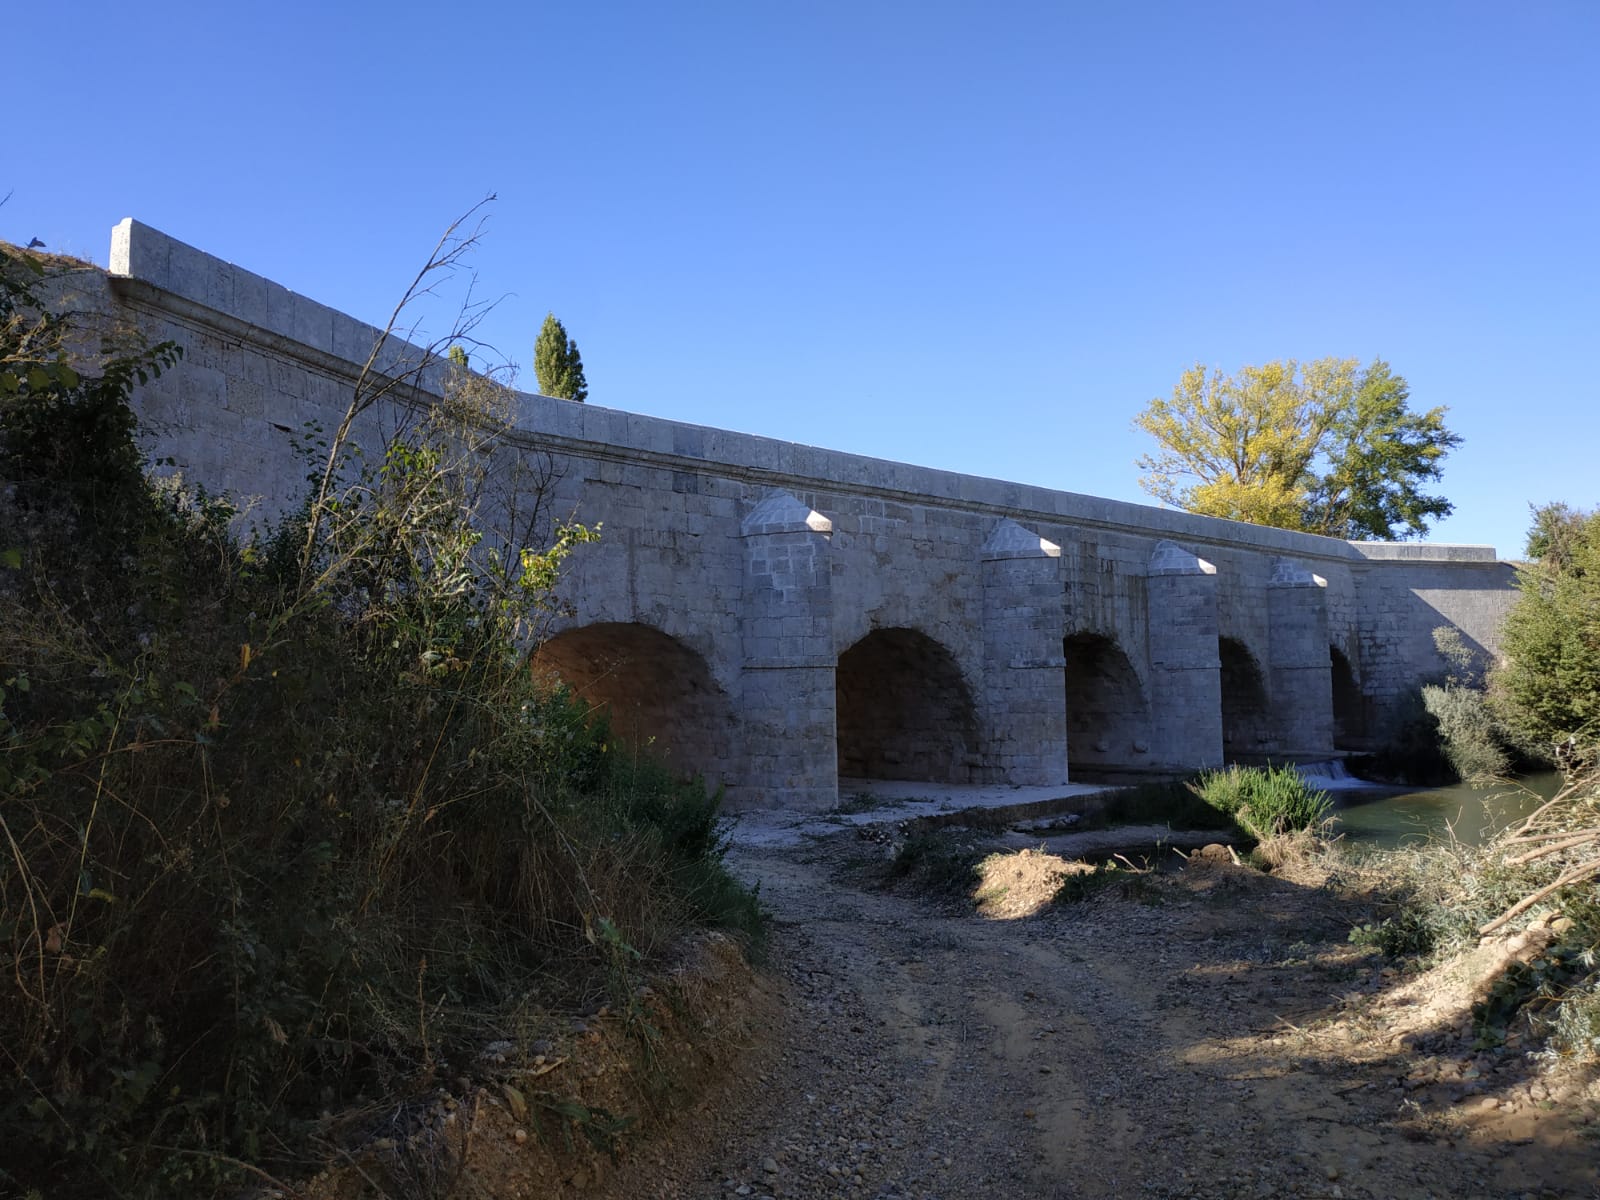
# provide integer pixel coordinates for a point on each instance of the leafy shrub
(1412, 753)
(284, 830)
(1574, 1023)
(1266, 802)
(1436, 900)
(1418, 893)
(1547, 686)
(1469, 733)
(1407, 933)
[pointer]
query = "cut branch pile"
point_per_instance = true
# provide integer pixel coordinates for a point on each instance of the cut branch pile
(1563, 833)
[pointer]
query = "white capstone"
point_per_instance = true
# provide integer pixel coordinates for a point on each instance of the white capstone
(783, 513)
(1169, 558)
(1011, 540)
(1288, 573)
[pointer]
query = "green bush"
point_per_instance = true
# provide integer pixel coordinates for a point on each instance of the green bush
(284, 832)
(1418, 893)
(1543, 701)
(1574, 1023)
(1265, 802)
(1469, 734)
(1547, 686)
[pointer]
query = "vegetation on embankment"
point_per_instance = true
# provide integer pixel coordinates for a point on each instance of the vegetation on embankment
(1520, 914)
(287, 827)
(1524, 906)
(1532, 890)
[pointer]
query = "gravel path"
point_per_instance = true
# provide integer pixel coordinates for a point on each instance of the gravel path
(1113, 1048)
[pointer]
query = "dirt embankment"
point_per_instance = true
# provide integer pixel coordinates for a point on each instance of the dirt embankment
(1204, 1033)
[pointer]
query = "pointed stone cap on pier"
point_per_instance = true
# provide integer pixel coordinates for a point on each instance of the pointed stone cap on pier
(1287, 573)
(783, 513)
(1169, 558)
(1010, 540)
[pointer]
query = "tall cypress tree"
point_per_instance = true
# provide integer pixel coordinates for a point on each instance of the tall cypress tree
(557, 364)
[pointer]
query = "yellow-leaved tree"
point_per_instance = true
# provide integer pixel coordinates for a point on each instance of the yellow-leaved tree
(1325, 446)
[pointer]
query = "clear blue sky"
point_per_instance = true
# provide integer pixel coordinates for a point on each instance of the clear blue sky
(972, 236)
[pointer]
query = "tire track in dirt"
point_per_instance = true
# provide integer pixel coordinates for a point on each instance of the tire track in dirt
(1111, 1049)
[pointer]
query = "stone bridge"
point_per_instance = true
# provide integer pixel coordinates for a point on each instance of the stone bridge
(779, 616)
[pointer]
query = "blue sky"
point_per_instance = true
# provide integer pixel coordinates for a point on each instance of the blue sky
(972, 236)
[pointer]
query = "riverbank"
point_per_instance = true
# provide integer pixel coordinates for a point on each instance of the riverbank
(1043, 1028)
(1210, 1032)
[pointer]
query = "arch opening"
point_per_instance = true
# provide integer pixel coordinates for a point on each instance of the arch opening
(1349, 707)
(658, 694)
(903, 711)
(1246, 732)
(1108, 718)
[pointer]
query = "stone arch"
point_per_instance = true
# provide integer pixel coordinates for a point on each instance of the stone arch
(1349, 706)
(1246, 727)
(658, 693)
(1108, 717)
(904, 711)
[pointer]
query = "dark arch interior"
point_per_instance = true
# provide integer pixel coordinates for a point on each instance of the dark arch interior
(904, 711)
(1349, 709)
(1245, 726)
(659, 694)
(1108, 721)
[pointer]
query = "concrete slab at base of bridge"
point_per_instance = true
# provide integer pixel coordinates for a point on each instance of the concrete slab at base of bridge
(864, 803)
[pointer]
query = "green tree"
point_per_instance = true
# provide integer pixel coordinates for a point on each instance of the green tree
(557, 364)
(1547, 686)
(1325, 447)
(1379, 453)
(1556, 536)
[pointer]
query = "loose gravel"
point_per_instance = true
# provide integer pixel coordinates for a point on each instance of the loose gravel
(1204, 1034)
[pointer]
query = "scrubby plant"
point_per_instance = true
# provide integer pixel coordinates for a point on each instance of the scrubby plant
(1470, 736)
(1422, 909)
(1538, 877)
(284, 830)
(1535, 883)
(1265, 802)
(1547, 686)
(1573, 1023)
(934, 861)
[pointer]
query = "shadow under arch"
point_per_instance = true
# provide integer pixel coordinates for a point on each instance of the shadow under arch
(1349, 706)
(1246, 720)
(660, 695)
(1108, 717)
(904, 711)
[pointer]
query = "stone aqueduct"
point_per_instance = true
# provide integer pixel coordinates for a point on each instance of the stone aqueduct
(779, 616)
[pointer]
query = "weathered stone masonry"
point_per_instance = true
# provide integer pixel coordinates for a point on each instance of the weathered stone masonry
(776, 615)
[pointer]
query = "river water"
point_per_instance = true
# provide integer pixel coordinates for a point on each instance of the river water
(1469, 814)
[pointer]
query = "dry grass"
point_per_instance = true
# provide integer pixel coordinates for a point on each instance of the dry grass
(1022, 883)
(274, 841)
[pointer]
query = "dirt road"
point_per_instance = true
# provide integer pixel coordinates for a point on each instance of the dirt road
(1209, 1033)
